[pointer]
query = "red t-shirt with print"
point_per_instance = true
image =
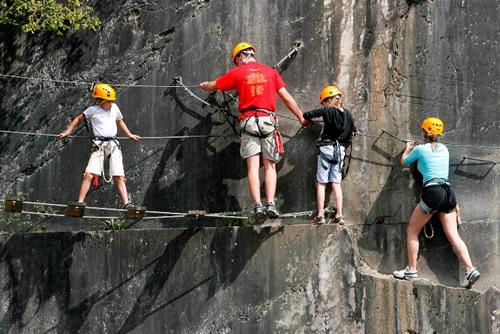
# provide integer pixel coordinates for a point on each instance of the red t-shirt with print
(256, 84)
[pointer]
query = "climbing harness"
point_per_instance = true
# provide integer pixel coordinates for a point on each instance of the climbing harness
(256, 126)
(105, 147)
(327, 160)
(345, 166)
(336, 156)
(431, 234)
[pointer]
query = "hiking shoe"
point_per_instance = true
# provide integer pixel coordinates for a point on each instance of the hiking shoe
(471, 277)
(128, 206)
(405, 274)
(271, 210)
(259, 213)
(338, 220)
(318, 220)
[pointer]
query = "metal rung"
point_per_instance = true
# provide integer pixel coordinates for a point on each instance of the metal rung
(13, 204)
(75, 209)
(135, 212)
(196, 213)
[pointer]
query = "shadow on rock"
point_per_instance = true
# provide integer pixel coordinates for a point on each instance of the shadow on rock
(230, 251)
(182, 158)
(155, 282)
(29, 278)
(298, 149)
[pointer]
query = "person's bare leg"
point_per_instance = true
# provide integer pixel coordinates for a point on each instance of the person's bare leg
(337, 192)
(253, 164)
(84, 188)
(449, 222)
(320, 198)
(270, 179)
(122, 188)
(418, 220)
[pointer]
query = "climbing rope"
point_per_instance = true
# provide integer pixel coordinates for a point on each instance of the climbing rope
(162, 214)
(174, 215)
(396, 138)
(88, 83)
(297, 214)
(28, 133)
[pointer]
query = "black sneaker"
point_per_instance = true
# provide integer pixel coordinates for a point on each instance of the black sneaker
(271, 210)
(260, 213)
(471, 277)
(338, 220)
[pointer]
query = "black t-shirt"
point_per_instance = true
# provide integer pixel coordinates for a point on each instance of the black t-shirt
(338, 124)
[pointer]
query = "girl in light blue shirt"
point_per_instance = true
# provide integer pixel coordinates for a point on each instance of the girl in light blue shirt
(432, 160)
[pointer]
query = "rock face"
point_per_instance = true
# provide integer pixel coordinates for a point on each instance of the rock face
(397, 62)
(295, 279)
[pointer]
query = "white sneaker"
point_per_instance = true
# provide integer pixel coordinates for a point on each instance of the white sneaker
(471, 277)
(405, 274)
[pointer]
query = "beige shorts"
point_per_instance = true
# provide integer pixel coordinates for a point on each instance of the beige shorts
(111, 150)
(252, 145)
(252, 141)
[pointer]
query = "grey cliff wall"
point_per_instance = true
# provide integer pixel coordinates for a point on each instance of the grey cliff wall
(294, 279)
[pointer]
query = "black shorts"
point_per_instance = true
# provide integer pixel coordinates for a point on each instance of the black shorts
(438, 198)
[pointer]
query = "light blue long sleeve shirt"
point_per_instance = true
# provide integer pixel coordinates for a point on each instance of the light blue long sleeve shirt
(431, 164)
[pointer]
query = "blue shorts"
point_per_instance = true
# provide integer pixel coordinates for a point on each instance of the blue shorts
(327, 172)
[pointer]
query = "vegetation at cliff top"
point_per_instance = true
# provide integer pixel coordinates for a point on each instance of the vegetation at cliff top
(48, 15)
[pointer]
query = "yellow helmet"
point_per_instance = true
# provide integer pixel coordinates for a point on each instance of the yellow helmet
(433, 126)
(329, 91)
(104, 91)
(240, 47)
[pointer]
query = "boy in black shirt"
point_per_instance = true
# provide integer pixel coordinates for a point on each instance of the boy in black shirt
(335, 136)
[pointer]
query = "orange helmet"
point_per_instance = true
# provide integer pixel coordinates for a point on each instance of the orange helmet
(329, 91)
(240, 47)
(433, 126)
(104, 91)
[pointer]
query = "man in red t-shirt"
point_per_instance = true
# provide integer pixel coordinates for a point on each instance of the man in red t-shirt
(257, 85)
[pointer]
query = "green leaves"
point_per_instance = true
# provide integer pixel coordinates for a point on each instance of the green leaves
(48, 15)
